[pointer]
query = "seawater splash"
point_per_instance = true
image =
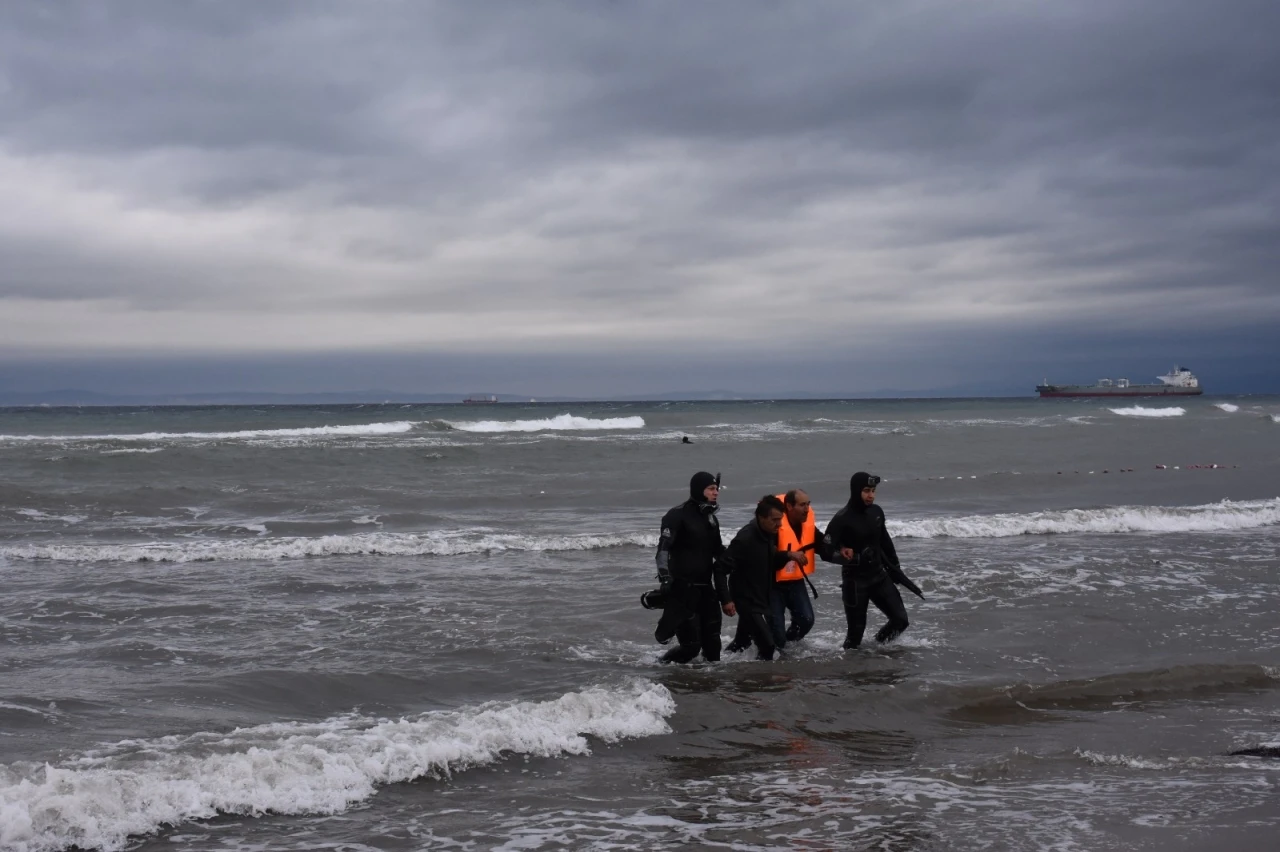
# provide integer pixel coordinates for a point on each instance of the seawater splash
(557, 423)
(1227, 407)
(354, 430)
(449, 543)
(100, 799)
(1139, 411)
(1213, 517)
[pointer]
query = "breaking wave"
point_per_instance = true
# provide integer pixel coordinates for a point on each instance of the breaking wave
(301, 547)
(1139, 411)
(1226, 406)
(1120, 519)
(100, 799)
(354, 430)
(560, 422)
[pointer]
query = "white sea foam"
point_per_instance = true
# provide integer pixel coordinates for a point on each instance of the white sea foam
(448, 543)
(353, 430)
(100, 799)
(37, 515)
(1275, 418)
(561, 422)
(1120, 519)
(1226, 406)
(1139, 411)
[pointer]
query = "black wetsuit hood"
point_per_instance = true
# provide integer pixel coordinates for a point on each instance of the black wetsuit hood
(857, 482)
(697, 485)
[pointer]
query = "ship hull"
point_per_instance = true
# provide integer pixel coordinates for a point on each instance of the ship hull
(1054, 391)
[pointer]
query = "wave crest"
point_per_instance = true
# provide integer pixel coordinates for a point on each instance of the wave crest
(300, 547)
(100, 799)
(561, 422)
(352, 430)
(1121, 519)
(1139, 411)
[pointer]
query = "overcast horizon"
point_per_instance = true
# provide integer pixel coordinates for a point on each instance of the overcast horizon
(608, 200)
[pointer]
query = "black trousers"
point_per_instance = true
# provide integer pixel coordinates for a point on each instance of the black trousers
(759, 626)
(857, 592)
(692, 614)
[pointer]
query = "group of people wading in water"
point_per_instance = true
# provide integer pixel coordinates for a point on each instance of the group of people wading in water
(763, 573)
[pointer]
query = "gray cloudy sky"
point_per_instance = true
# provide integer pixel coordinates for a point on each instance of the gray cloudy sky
(592, 196)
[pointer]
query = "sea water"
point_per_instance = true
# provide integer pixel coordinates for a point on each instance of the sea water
(418, 627)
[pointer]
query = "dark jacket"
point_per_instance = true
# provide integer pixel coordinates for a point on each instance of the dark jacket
(690, 540)
(861, 528)
(753, 560)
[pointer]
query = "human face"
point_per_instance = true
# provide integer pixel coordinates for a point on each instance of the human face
(868, 496)
(711, 493)
(771, 522)
(798, 511)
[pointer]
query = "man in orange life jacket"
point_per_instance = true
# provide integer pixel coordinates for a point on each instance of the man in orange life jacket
(798, 533)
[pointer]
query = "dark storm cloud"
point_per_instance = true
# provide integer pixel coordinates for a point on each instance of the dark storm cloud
(572, 175)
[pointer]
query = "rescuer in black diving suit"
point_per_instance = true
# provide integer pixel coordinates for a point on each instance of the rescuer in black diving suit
(754, 560)
(693, 585)
(857, 540)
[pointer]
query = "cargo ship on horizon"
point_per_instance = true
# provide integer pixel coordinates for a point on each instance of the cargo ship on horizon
(1177, 382)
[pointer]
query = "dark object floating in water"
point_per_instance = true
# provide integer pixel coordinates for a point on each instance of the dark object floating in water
(685, 440)
(1257, 751)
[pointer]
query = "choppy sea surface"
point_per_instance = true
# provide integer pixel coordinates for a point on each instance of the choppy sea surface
(406, 627)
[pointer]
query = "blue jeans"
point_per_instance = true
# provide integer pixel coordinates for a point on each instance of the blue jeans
(791, 596)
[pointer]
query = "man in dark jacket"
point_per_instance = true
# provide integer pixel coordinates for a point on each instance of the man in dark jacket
(857, 540)
(689, 548)
(754, 560)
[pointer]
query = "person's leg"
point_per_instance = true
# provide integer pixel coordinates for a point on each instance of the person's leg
(681, 611)
(762, 631)
(888, 599)
(855, 611)
(741, 637)
(801, 610)
(709, 623)
(778, 615)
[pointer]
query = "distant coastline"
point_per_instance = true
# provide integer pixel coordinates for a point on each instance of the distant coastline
(91, 399)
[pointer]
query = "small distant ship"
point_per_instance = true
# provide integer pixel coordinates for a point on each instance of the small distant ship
(487, 399)
(1177, 382)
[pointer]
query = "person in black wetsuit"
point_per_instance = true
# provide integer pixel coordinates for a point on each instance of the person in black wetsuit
(857, 539)
(689, 549)
(753, 559)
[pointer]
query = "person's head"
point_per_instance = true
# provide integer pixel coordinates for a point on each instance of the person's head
(862, 488)
(704, 487)
(769, 512)
(797, 505)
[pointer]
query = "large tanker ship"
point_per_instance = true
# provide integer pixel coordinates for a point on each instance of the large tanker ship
(1177, 382)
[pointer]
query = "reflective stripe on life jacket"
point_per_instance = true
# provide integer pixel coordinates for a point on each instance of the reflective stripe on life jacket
(787, 541)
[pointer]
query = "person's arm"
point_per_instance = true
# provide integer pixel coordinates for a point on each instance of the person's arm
(722, 578)
(666, 540)
(829, 548)
(886, 543)
(892, 565)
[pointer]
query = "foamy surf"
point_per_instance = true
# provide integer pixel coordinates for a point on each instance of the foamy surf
(1227, 407)
(1214, 517)
(562, 422)
(354, 430)
(1139, 411)
(298, 547)
(101, 799)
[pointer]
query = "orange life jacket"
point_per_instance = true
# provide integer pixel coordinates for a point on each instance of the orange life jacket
(787, 541)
